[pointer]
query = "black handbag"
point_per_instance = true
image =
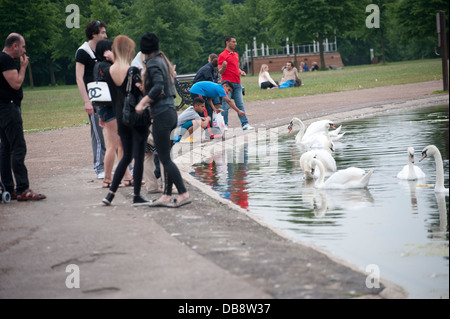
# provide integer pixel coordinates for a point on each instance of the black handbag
(129, 115)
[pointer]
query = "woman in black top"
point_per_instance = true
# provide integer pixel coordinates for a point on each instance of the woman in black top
(133, 139)
(108, 117)
(160, 92)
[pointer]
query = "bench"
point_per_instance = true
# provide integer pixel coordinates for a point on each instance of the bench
(183, 85)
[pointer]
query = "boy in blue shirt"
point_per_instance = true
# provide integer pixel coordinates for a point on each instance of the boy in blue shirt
(210, 90)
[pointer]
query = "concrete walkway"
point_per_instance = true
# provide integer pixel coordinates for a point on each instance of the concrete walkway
(209, 249)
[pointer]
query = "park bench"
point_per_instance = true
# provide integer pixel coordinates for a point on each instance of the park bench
(183, 85)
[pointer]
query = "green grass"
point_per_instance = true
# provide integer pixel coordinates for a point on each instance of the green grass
(51, 108)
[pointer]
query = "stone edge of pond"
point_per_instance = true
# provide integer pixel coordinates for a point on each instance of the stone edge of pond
(190, 154)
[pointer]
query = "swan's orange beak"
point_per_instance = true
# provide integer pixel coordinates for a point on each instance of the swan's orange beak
(290, 127)
(332, 125)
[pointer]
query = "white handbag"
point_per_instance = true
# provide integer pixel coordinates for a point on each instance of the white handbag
(98, 92)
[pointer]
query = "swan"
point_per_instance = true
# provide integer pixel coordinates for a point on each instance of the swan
(351, 177)
(313, 128)
(324, 156)
(410, 171)
(432, 150)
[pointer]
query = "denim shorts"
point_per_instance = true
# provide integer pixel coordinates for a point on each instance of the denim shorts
(106, 113)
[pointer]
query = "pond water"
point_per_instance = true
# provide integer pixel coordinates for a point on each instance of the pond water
(399, 227)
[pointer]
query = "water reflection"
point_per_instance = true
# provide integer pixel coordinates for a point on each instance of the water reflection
(398, 225)
(227, 177)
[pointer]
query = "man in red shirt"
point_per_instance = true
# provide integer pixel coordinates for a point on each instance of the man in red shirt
(228, 64)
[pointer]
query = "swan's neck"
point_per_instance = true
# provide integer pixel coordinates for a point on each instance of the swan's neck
(302, 129)
(321, 180)
(411, 171)
(439, 187)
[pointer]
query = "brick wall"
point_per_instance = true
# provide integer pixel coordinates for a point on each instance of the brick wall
(276, 63)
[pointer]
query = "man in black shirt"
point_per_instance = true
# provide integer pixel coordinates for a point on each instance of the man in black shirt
(13, 145)
(85, 60)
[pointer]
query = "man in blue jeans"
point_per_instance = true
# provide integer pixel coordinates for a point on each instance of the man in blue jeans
(228, 64)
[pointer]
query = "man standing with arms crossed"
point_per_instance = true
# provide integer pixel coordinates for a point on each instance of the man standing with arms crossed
(228, 64)
(13, 145)
(85, 62)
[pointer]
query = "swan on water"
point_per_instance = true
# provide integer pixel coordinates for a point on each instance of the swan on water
(316, 135)
(351, 177)
(313, 128)
(410, 171)
(324, 156)
(432, 150)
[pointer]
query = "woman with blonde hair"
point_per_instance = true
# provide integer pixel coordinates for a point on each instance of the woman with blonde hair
(159, 95)
(134, 138)
(265, 80)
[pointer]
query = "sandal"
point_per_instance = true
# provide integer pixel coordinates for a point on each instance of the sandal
(108, 184)
(130, 182)
(29, 195)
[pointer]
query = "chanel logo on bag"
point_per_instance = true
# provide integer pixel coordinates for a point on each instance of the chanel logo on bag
(95, 92)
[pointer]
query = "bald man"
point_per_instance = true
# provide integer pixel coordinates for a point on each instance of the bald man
(13, 145)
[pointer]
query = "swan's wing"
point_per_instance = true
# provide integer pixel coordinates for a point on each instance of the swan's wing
(403, 174)
(327, 159)
(345, 176)
(316, 127)
(419, 172)
(335, 133)
(338, 137)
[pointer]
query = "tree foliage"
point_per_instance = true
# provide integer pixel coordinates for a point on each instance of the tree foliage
(192, 29)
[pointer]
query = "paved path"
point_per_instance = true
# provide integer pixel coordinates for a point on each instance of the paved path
(209, 249)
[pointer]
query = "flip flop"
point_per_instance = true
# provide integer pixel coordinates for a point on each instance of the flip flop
(161, 203)
(183, 202)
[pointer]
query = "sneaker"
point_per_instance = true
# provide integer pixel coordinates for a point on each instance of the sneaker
(101, 175)
(247, 127)
(177, 139)
(108, 199)
(226, 128)
(139, 201)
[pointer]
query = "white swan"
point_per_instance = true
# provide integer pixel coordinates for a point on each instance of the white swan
(315, 136)
(432, 150)
(324, 156)
(410, 171)
(351, 177)
(313, 128)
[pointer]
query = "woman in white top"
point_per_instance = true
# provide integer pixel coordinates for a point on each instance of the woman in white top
(265, 81)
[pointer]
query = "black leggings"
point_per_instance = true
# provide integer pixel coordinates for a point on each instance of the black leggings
(133, 144)
(163, 125)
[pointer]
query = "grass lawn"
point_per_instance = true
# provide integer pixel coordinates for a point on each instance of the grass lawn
(51, 108)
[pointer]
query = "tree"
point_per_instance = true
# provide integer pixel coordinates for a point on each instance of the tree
(305, 21)
(417, 19)
(36, 21)
(176, 22)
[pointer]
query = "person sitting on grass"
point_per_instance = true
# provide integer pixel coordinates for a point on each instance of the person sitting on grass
(191, 119)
